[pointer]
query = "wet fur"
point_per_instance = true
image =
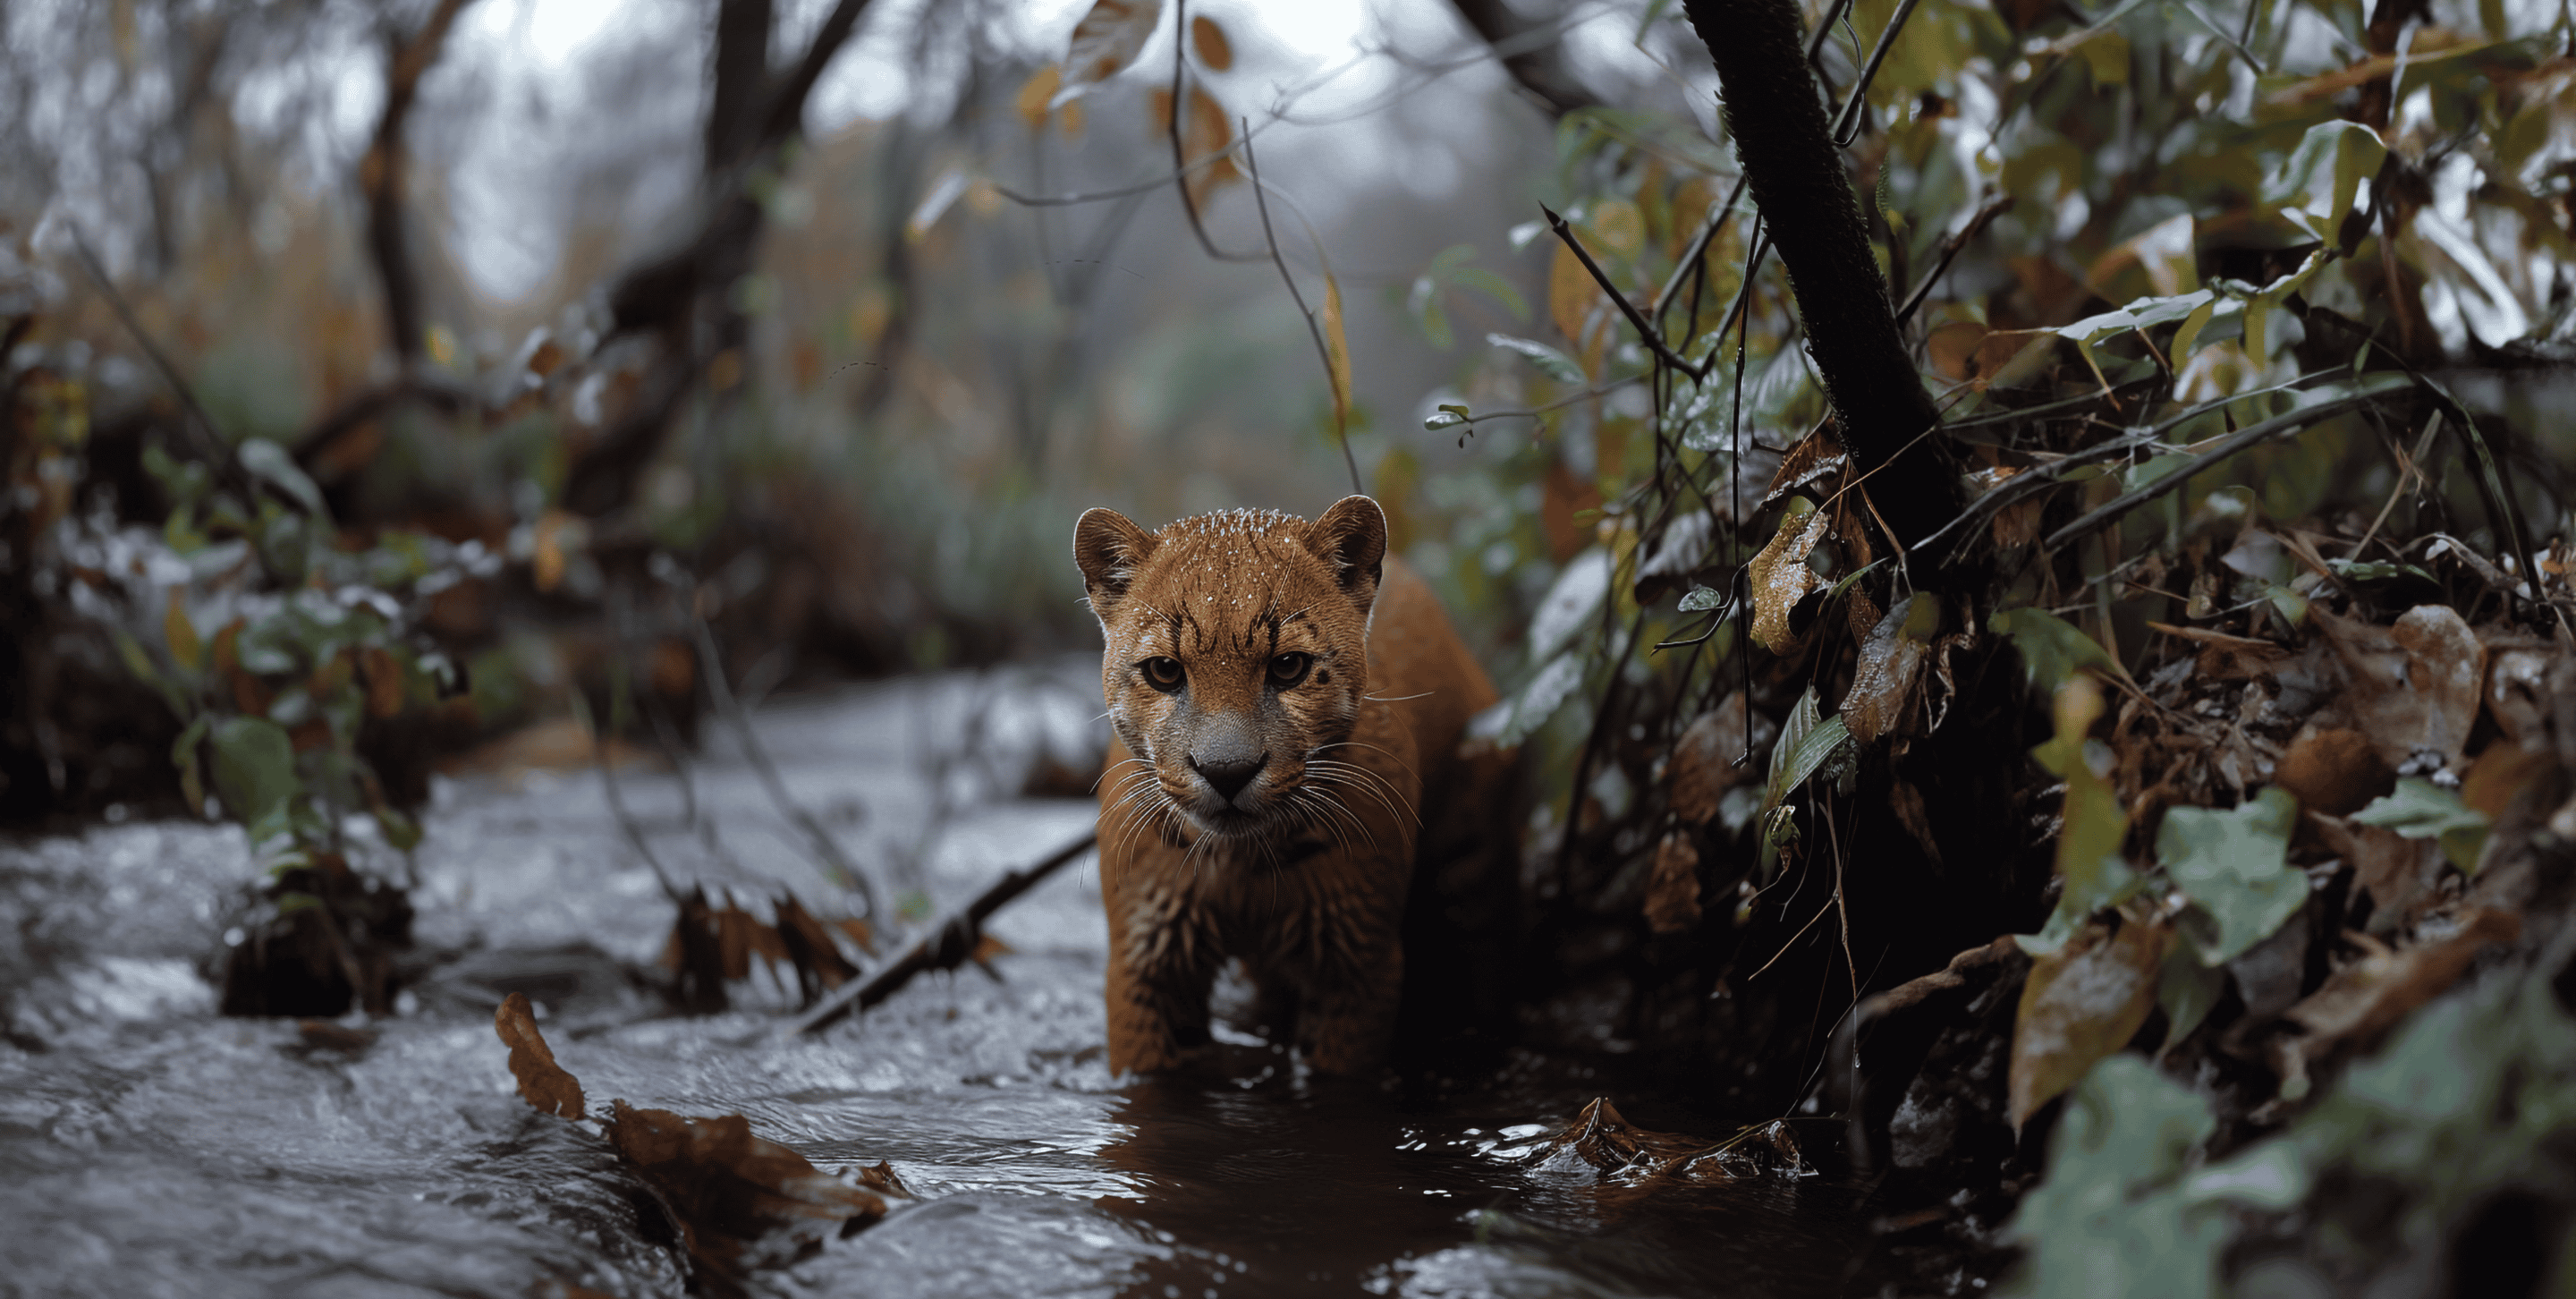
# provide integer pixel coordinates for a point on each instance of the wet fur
(1308, 887)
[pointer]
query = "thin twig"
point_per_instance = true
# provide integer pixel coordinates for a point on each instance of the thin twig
(1645, 330)
(1180, 159)
(945, 948)
(1314, 330)
(214, 447)
(1950, 250)
(1596, 390)
(845, 872)
(2243, 439)
(607, 761)
(1847, 123)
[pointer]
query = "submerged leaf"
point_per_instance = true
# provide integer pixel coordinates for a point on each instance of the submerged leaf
(2234, 865)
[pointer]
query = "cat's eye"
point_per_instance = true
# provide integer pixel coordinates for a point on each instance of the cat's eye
(1288, 669)
(1162, 673)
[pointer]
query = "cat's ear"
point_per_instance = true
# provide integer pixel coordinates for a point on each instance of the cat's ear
(1109, 548)
(1351, 537)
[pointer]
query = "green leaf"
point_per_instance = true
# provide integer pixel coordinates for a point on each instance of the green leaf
(1493, 286)
(2093, 831)
(1510, 721)
(1550, 362)
(254, 768)
(1702, 598)
(1448, 417)
(2234, 866)
(1806, 741)
(2315, 188)
(2104, 1223)
(2420, 809)
(2187, 991)
(270, 462)
(2051, 648)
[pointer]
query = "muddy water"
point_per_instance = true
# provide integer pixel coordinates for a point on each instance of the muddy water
(149, 1148)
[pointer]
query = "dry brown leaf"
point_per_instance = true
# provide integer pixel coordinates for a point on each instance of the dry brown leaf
(1781, 578)
(1107, 39)
(2500, 775)
(2518, 694)
(1337, 351)
(384, 681)
(1672, 894)
(1886, 678)
(1914, 816)
(1703, 762)
(1208, 132)
(2361, 1000)
(1815, 458)
(543, 1083)
(2334, 770)
(2415, 687)
(809, 946)
(2082, 1003)
(1037, 93)
(1216, 54)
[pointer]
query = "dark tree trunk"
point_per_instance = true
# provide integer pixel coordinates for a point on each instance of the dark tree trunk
(1782, 140)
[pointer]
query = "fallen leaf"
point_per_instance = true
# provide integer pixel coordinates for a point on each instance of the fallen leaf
(2414, 687)
(1703, 763)
(742, 1201)
(2081, 1003)
(2334, 770)
(819, 964)
(1672, 892)
(1781, 578)
(2500, 775)
(1602, 1146)
(2420, 809)
(2394, 870)
(2361, 1000)
(2234, 866)
(2093, 830)
(2518, 695)
(543, 1083)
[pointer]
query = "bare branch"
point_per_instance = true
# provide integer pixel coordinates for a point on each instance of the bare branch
(380, 174)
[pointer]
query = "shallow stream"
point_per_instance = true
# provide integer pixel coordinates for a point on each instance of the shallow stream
(148, 1147)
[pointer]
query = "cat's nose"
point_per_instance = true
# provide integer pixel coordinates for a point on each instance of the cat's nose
(1229, 774)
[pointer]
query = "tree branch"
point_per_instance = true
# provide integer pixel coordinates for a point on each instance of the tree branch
(1800, 184)
(1540, 73)
(380, 174)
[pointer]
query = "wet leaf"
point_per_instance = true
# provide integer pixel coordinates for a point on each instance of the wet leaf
(273, 465)
(1781, 578)
(254, 767)
(2317, 185)
(742, 1201)
(1570, 603)
(2420, 809)
(2234, 865)
(1816, 458)
(1216, 54)
(1703, 763)
(542, 1082)
(1509, 722)
(1804, 746)
(1887, 676)
(1550, 362)
(1672, 892)
(2080, 1004)
(2052, 649)
(1108, 38)
(2333, 770)
(1700, 599)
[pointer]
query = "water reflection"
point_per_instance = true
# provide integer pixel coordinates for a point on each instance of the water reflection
(149, 1148)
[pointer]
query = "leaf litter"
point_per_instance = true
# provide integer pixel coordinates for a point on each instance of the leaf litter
(741, 1202)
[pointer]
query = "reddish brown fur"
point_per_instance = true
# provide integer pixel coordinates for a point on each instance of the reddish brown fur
(1303, 873)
